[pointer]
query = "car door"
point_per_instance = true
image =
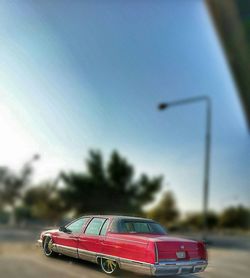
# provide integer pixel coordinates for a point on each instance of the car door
(67, 242)
(90, 243)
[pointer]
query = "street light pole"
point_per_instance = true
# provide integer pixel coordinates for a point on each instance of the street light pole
(207, 100)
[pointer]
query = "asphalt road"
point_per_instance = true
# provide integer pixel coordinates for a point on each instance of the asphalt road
(27, 261)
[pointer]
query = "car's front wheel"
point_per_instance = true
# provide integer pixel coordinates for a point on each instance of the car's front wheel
(48, 247)
(109, 266)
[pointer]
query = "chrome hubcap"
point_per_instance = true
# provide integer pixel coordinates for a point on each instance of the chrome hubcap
(48, 247)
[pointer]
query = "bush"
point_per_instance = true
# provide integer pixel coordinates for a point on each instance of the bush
(235, 217)
(196, 220)
(166, 211)
(4, 217)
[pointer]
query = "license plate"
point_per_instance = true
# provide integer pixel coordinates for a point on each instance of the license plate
(181, 255)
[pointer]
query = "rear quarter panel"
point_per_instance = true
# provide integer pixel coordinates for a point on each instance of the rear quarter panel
(123, 246)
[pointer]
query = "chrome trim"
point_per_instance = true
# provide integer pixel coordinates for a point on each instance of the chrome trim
(142, 268)
(156, 253)
(73, 249)
(122, 262)
(66, 250)
(178, 267)
(128, 240)
(103, 255)
(181, 263)
(87, 255)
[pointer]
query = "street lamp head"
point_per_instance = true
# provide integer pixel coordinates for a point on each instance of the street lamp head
(162, 106)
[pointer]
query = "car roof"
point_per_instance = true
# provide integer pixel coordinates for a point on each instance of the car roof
(118, 217)
(117, 220)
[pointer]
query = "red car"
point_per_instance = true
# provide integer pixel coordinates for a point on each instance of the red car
(121, 242)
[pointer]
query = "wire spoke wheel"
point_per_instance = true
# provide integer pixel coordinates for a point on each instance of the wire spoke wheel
(108, 266)
(48, 245)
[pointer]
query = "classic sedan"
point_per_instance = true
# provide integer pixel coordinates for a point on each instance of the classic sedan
(121, 242)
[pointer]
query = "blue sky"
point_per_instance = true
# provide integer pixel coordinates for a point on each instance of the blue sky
(76, 75)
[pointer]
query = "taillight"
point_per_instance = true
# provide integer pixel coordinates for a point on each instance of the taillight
(156, 253)
(152, 254)
(202, 250)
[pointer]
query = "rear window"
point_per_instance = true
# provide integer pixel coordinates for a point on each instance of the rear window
(142, 227)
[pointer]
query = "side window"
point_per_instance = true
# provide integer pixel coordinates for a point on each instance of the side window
(141, 227)
(129, 227)
(76, 227)
(104, 228)
(95, 226)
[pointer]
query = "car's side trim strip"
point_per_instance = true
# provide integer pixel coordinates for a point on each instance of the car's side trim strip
(126, 264)
(128, 240)
(87, 255)
(82, 251)
(133, 265)
(96, 255)
(66, 250)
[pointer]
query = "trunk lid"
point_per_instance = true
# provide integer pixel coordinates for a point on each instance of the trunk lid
(172, 248)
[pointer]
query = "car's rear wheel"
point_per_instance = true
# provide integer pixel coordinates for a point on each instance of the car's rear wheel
(109, 266)
(48, 247)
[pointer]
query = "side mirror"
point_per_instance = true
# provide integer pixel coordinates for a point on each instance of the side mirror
(64, 230)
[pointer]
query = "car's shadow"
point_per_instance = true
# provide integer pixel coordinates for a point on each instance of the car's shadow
(95, 267)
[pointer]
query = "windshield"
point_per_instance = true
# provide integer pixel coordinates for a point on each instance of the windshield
(142, 227)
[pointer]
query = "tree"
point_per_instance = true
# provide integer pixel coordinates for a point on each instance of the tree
(110, 188)
(42, 202)
(12, 184)
(166, 211)
(235, 217)
(196, 220)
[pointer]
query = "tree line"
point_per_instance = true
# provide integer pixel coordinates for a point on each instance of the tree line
(232, 217)
(109, 187)
(104, 187)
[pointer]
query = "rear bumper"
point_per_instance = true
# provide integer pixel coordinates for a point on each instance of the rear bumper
(178, 267)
